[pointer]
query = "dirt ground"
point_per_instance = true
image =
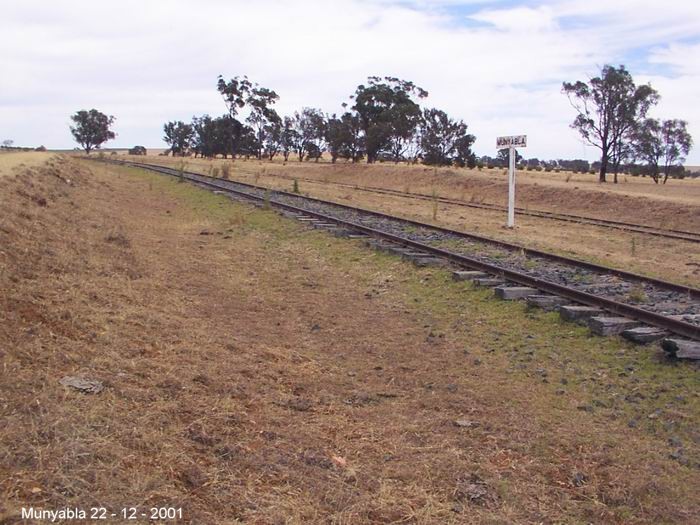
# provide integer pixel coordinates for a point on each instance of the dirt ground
(668, 259)
(256, 371)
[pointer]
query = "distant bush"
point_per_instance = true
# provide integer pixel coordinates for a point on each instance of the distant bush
(226, 171)
(40, 148)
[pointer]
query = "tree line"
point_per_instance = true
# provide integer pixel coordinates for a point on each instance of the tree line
(383, 121)
(612, 115)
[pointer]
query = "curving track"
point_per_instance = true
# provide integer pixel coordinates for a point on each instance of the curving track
(669, 233)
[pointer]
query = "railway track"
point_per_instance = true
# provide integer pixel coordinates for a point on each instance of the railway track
(683, 235)
(609, 300)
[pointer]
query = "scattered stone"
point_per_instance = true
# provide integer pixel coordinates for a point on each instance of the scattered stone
(205, 232)
(466, 423)
(681, 348)
(316, 459)
(473, 490)
(579, 479)
(193, 477)
(298, 404)
(86, 386)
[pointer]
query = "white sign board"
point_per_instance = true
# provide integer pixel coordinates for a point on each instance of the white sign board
(511, 142)
(514, 141)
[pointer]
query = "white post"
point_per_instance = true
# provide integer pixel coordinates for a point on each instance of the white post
(511, 187)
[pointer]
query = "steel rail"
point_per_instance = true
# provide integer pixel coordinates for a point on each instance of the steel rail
(673, 325)
(683, 235)
(693, 293)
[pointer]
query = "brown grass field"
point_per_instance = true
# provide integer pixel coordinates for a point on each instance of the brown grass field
(12, 162)
(668, 259)
(256, 371)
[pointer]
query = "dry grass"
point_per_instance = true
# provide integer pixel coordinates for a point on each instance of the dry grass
(655, 256)
(259, 372)
(638, 199)
(12, 162)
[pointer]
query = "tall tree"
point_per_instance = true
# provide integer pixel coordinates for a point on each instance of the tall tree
(388, 114)
(273, 138)
(445, 141)
(504, 157)
(91, 129)
(288, 137)
(662, 145)
(310, 127)
(262, 118)
(236, 93)
(178, 136)
(609, 107)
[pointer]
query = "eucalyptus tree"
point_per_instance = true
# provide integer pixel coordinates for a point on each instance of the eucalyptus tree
(288, 137)
(388, 113)
(239, 94)
(608, 108)
(91, 129)
(662, 145)
(445, 141)
(345, 138)
(310, 128)
(178, 135)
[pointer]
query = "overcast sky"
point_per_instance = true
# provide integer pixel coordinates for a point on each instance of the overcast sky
(496, 64)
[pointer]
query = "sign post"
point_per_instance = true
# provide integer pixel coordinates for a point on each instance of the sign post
(511, 142)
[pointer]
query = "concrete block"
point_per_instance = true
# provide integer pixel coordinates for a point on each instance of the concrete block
(467, 275)
(681, 348)
(409, 255)
(512, 293)
(611, 325)
(422, 262)
(488, 281)
(578, 314)
(644, 334)
(547, 302)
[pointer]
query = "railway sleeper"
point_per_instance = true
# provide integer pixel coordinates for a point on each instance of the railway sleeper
(644, 334)
(578, 314)
(605, 326)
(513, 293)
(488, 281)
(467, 275)
(546, 302)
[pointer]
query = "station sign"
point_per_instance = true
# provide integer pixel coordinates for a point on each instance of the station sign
(513, 141)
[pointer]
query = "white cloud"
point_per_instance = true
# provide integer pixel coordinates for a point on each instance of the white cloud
(498, 65)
